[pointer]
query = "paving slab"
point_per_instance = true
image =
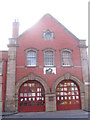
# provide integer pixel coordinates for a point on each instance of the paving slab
(57, 114)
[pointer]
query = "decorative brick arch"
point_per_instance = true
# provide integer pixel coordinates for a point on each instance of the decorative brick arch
(68, 76)
(31, 76)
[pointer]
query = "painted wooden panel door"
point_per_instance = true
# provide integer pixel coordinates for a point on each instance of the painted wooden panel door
(31, 97)
(68, 96)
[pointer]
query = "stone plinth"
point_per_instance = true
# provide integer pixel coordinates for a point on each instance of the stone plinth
(50, 100)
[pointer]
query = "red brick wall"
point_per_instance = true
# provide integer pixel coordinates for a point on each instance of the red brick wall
(3, 56)
(32, 38)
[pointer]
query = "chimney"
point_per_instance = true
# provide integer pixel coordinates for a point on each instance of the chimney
(15, 31)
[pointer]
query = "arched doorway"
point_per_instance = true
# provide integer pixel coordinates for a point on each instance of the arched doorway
(68, 95)
(31, 97)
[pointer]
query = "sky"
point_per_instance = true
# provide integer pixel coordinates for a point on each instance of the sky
(73, 14)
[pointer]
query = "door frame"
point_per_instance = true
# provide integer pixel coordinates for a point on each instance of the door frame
(30, 76)
(67, 106)
(79, 82)
(34, 108)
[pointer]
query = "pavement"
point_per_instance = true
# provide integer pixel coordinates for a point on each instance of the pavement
(57, 114)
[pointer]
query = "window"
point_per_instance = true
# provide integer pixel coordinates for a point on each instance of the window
(48, 35)
(1, 63)
(66, 58)
(31, 58)
(49, 58)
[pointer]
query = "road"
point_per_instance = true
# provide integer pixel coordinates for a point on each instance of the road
(73, 114)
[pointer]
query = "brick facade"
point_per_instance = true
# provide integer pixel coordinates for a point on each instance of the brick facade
(18, 72)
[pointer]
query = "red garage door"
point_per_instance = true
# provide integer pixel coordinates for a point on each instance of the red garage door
(31, 97)
(68, 96)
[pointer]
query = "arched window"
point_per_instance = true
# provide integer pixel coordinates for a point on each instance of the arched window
(31, 58)
(48, 58)
(66, 58)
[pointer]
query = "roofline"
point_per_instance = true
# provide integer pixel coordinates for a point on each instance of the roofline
(82, 40)
(3, 51)
(76, 38)
(63, 27)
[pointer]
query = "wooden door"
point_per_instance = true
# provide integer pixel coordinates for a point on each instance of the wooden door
(31, 97)
(68, 96)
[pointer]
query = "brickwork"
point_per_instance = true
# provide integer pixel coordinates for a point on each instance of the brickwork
(76, 80)
(29, 77)
(18, 72)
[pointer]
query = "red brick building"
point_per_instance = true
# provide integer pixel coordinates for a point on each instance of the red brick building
(44, 69)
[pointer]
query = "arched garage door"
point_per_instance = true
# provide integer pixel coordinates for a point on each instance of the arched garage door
(68, 96)
(31, 97)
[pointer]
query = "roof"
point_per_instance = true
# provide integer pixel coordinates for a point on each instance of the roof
(65, 29)
(3, 51)
(61, 25)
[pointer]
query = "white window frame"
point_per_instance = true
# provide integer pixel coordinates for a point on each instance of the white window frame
(70, 60)
(31, 50)
(49, 50)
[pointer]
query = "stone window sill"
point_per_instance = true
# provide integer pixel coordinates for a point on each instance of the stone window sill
(66, 66)
(31, 66)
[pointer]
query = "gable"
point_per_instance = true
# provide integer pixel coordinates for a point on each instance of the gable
(60, 35)
(51, 23)
(62, 26)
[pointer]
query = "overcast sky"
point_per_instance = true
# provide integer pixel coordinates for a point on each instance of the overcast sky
(73, 14)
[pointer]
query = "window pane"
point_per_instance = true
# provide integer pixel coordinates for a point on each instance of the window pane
(29, 99)
(21, 99)
(31, 54)
(77, 97)
(61, 93)
(29, 94)
(48, 36)
(32, 61)
(25, 94)
(65, 98)
(66, 58)
(33, 94)
(73, 97)
(33, 99)
(21, 94)
(25, 99)
(69, 97)
(37, 98)
(61, 98)
(31, 58)
(37, 94)
(58, 98)
(49, 58)
(76, 88)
